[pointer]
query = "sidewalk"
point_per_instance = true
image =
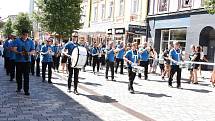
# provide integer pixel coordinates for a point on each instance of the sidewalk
(102, 100)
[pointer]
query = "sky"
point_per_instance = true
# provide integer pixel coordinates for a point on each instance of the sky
(13, 7)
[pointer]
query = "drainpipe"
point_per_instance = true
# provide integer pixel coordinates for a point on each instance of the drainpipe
(90, 12)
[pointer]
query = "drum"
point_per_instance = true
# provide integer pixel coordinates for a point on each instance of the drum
(79, 57)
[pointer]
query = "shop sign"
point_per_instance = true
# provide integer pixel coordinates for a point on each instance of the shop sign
(119, 30)
(109, 32)
(137, 29)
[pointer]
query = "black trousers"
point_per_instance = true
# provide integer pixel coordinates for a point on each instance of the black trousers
(7, 65)
(121, 66)
(76, 73)
(44, 65)
(175, 68)
(22, 70)
(38, 67)
(90, 60)
(12, 66)
(144, 64)
(110, 65)
(56, 62)
(32, 65)
(131, 77)
(96, 62)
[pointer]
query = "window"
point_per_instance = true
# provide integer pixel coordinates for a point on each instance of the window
(170, 35)
(121, 7)
(95, 13)
(110, 10)
(186, 3)
(163, 4)
(103, 11)
(134, 6)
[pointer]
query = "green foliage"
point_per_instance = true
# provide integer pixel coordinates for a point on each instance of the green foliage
(8, 29)
(22, 22)
(210, 6)
(59, 16)
(1, 24)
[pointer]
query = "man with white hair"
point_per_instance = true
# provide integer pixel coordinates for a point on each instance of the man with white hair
(175, 57)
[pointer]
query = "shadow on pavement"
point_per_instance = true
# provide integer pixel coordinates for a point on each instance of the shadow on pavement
(152, 94)
(127, 82)
(102, 99)
(91, 84)
(198, 90)
(46, 102)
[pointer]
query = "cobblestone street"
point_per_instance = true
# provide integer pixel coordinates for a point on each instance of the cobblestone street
(106, 100)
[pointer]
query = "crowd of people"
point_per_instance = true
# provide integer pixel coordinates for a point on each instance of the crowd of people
(22, 55)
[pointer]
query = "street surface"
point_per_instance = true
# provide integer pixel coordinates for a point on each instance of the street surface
(100, 99)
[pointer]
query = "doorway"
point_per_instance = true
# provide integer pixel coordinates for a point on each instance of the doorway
(207, 40)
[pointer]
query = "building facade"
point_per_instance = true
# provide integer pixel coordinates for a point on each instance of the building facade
(183, 20)
(118, 20)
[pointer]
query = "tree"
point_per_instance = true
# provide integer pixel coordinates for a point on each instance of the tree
(210, 6)
(1, 24)
(22, 22)
(7, 28)
(59, 16)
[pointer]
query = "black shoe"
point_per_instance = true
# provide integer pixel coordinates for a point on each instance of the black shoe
(11, 80)
(18, 91)
(43, 80)
(179, 87)
(170, 86)
(27, 93)
(131, 91)
(76, 92)
(69, 90)
(50, 82)
(113, 80)
(163, 78)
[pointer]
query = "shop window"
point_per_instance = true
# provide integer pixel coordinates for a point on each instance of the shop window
(171, 35)
(162, 6)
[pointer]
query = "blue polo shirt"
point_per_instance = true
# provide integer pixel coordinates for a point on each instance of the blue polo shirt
(12, 54)
(175, 55)
(56, 48)
(46, 57)
(110, 55)
(21, 45)
(94, 51)
(144, 56)
(120, 53)
(6, 50)
(70, 46)
(131, 56)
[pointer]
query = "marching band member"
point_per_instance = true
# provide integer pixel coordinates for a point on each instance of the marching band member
(68, 52)
(6, 54)
(37, 49)
(144, 59)
(175, 57)
(24, 48)
(119, 57)
(47, 52)
(56, 57)
(33, 60)
(110, 61)
(95, 54)
(131, 57)
(12, 59)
